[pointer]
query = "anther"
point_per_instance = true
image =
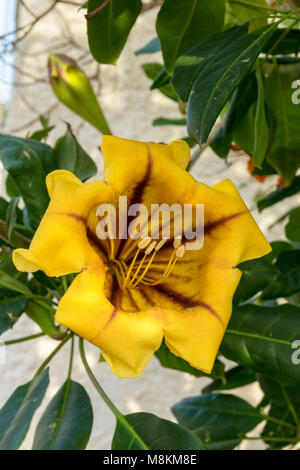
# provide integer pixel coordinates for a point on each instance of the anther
(180, 251)
(160, 244)
(150, 248)
(177, 242)
(144, 243)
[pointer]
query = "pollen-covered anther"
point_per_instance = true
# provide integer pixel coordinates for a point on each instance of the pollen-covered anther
(150, 248)
(144, 243)
(177, 242)
(180, 252)
(160, 244)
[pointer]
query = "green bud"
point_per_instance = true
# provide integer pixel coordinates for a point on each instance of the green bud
(73, 89)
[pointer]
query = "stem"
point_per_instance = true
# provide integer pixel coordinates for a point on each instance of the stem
(278, 421)
(54, 352)
(118, 415)
(25, 338)
(290, 406)
(71, 359)
(98, 10)
(257, 6)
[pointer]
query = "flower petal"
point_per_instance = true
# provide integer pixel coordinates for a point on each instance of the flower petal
(127, 340)
(60, 245)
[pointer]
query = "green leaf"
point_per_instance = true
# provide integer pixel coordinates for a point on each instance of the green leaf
(287, 281)
(284, 116)
(170, 361)
(152, 70)
(11, 215)
(239, 105)
(8, 282)
(181, 25)
(11, 187)
(11, 308)
(67, 421)
(150, 48)
(18, 411)
(156, 434)
(261, 338)
(292, 229)
(109, 29)
(28, 162)
(190, 64)
(261, 129)
(279, 194)
(216, 82)
(257, 274)
(169, 122)
(237, 377)
(290, 44)
(70, 156)
(246, 13)
(220, 420)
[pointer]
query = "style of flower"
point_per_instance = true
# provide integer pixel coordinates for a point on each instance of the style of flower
(130, 294)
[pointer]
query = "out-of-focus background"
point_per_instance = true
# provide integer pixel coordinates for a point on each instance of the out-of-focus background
(130, 108)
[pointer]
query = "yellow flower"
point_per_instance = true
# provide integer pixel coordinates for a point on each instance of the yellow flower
(129, 294)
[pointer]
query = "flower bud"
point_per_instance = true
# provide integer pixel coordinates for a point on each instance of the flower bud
(73, 89)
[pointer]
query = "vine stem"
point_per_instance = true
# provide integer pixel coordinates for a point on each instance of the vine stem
(118, 415)
(25, 338)
(54, 352)
(96, 12)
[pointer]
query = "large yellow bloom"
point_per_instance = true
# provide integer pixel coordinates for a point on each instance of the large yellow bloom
(127, 297)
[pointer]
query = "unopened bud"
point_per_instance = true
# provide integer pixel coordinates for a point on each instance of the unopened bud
(73, 89)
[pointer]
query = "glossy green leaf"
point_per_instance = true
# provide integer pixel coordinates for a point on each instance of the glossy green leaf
(155, 433)
(66, 423)
(292, 229)
(18, 411)
(192, 62)
(280, 194)
(150, 48)
(170, 361)
(109, 29)
(284, 116)
(257, 274)
(287, 281)
(28, 162)
(261, 338)
(11, 308)
(261, 129)
(238, 107)
(70, 156)
(220, 420)
(217, 81)
(181, 25)
(233, 378)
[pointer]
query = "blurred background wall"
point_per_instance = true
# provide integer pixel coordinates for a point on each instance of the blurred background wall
(130, 108)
